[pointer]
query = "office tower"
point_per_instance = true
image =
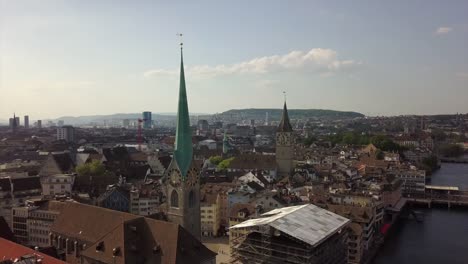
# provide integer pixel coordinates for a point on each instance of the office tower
(126, 123)
(26, 121)
(66, 133)
(147, 121)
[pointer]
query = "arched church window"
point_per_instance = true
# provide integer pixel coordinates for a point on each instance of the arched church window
(191, 199)
(174, 199)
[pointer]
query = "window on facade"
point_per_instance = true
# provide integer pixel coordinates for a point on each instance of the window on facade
(191, 200)
(174, 199)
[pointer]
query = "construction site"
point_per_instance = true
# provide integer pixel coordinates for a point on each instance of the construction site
(295, 235)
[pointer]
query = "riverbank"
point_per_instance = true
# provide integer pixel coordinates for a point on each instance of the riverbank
(454, 160)
(440, 237)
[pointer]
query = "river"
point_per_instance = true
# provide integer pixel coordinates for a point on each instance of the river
(443, 235)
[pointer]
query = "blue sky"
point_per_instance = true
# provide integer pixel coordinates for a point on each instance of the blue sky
(79, 57)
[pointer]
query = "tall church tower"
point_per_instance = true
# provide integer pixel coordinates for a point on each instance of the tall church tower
(284, 144)
(182, 176)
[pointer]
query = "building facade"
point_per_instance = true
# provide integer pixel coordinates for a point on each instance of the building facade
(147, 120)
(413, 182)
(145, 202)
(32, 222)
(66, 133)
(26, 121)
(210, 214)
(57, 184)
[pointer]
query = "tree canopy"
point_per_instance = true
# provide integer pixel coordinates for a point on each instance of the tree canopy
(225, 163)
(382, 142)
(451, 150)
(215, 160)
(94, 168)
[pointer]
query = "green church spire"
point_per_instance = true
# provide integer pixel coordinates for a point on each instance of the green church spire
(183, 149)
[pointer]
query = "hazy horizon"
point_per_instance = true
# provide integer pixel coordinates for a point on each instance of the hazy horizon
(33, 119)
(76, 58)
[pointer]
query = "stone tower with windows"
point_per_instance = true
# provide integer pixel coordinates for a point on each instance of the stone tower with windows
(182, 176)
(284, 144)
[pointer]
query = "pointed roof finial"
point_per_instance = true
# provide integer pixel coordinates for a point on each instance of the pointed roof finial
(285, 125)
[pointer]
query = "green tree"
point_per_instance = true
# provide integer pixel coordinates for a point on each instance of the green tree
(386, 144)
(309, 140)
(430, 163)
(215, 159)
(349, 138)
(451, 150)
(380, 155)
(225, 163)
(94, 168)
(439, 135)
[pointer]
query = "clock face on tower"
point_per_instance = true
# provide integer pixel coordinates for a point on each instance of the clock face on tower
(192, 177)
(282, 139)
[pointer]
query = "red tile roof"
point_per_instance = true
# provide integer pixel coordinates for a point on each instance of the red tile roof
(11, 250)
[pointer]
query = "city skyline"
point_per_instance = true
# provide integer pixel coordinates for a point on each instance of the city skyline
(71, 58)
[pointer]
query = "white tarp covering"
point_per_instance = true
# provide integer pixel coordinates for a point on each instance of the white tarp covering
(308, 223)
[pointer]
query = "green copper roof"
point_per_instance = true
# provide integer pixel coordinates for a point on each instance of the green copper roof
(285, 125)
(183, 142)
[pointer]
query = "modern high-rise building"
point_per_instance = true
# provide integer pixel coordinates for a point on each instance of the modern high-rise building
(39, 123)
(182, 177)
(147, 121)
(203, 125)
(126, 123)
(26, 121)
(14, 123)
(66, 133)
(17, 121)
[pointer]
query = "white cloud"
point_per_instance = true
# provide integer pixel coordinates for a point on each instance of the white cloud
(157, 72)
(443, 30)
(266, 83)
(323, 61)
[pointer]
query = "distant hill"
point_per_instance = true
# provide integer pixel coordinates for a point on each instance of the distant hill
(275, 114)
(80, 120)
(241, 114)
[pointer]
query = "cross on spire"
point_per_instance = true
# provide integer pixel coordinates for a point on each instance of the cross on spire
(180, 38)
